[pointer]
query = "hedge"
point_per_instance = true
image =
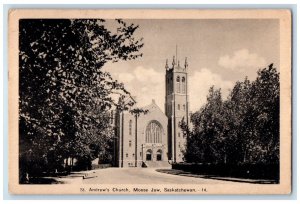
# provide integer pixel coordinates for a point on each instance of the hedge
(248, 171)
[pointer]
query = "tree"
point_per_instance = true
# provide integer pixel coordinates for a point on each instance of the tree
(237, 107)
(64, 94)
(242, 129)
(266, 110)
(207, 136)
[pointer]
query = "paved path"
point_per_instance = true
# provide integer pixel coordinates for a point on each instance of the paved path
(143, 176)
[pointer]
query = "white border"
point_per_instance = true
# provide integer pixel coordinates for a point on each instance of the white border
(111, 2)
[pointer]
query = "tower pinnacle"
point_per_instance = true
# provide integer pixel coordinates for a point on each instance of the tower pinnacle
(186, 63)
(173, 63)
(167, 66)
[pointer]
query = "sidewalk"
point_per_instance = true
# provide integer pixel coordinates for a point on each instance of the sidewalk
(189, 174)
(77, 177)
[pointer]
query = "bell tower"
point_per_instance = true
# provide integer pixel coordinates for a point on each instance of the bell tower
(176, 107)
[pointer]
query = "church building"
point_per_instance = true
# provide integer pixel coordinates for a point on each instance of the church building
(155, 139)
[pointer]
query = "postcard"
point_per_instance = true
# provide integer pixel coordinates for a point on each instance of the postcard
(153, 102)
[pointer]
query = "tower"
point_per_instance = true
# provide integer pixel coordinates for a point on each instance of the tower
(176, 107)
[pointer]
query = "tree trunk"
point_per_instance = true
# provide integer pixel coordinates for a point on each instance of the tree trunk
(135, 141)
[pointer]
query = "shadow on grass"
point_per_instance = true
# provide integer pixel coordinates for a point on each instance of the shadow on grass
(59, 178)
(43, 180)
(232, 179)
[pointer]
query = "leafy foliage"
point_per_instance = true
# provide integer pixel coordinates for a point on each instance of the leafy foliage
(242, 129)
(65, 97)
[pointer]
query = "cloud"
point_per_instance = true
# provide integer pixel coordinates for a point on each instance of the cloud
(146, 84)
(148, 75)
(125, 77)
(199, 84)
(241, 60)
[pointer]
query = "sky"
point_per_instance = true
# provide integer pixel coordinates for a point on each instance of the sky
(219, 52)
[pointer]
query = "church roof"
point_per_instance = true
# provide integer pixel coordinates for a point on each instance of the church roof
(152, 106)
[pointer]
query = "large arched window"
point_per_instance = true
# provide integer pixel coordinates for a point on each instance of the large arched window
(178, 84)
(154, 132)
(183, 85)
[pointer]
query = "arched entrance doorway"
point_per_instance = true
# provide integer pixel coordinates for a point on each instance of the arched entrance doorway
(159, 155)
(153, 149)
(148, 155)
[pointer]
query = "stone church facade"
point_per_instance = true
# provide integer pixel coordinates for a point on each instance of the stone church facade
(155, 139)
